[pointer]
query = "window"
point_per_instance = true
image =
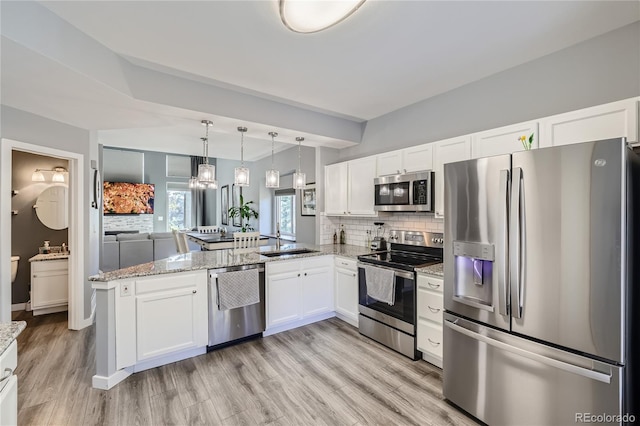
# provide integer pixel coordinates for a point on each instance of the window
(286, 214)
(178, 206)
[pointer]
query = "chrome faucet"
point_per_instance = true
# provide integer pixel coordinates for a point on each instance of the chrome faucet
(277, 235)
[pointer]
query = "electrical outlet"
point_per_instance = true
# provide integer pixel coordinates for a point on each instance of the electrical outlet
(125, 289)
(160, 218)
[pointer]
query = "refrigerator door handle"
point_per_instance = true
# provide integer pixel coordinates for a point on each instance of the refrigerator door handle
(516, 254)
(584, 372)
(503, 268)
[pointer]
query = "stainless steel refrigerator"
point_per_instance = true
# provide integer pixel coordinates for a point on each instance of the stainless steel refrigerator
(541, 285)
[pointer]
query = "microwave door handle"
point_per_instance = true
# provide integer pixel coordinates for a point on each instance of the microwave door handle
(515, 243)
(503, 256)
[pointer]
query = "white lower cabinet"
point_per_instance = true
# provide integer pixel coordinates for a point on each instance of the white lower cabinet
(298, 290)
(160, 315)
(9, 385)
(49, 286)
(346, 290)
(429, 304)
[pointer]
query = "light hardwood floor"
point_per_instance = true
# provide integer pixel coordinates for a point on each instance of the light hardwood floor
(324, 374)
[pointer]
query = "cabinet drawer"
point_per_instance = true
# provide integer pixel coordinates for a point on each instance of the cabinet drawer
(9, 358)
(169, 282)
(49, 265)
(429, 305)
(429, 338)
(282, 267)
(345, 263)
(430, 283)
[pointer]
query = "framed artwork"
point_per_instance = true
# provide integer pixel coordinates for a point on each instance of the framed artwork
(308, 200)
(224, 202)
(236, 193)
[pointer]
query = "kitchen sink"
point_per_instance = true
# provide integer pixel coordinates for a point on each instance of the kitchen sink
(288, 252)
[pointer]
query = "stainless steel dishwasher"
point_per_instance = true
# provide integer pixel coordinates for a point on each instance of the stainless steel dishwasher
(228, 326)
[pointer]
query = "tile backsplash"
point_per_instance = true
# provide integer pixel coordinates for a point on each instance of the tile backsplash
(356, 228)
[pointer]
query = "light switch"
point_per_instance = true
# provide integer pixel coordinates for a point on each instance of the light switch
(160, 218)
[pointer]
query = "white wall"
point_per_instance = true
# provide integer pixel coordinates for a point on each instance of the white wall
(36, 130)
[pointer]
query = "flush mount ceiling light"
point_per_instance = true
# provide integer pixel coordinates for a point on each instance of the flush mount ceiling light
(242, 173)
(206, 172)
(272, 176)
(310, 16)
(299, 178)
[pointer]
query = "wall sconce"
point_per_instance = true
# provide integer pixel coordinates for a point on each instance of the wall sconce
(57, 177)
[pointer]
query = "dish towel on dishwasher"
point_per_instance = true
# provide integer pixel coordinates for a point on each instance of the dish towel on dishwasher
(238, 288)
(380, 284)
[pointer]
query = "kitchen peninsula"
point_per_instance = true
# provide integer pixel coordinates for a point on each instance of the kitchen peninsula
(156, 313)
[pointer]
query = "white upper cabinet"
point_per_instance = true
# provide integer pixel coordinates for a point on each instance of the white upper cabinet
(349, 188)
(335, 184)
(408, 160)
(362, 172)
(504, 140)
(417, 158)
(389, 163)
(613, 120)
(447, 151)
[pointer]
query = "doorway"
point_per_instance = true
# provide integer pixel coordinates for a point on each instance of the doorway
(76, 285)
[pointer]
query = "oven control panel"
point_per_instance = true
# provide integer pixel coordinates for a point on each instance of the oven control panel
(417, 238)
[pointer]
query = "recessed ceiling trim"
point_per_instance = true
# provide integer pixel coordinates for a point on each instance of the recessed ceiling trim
(312, 16)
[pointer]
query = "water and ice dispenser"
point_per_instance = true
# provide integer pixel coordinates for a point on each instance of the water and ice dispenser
(473, 276)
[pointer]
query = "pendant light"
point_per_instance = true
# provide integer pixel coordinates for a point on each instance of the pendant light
(242, 173)
(206, 172)
(272, 176)
(299, 178)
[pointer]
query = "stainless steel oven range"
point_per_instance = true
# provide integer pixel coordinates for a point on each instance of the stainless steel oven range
(390, 317)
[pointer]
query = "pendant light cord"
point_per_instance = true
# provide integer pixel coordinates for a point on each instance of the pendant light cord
(273, 135)
(299, 139)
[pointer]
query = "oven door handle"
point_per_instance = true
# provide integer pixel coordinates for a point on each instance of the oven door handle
(399, 272)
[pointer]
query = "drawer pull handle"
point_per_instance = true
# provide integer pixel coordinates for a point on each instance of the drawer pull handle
(433, 285)
(354, 275)
(433, 343)
(434, 310)
(8, 372)
(195, 291)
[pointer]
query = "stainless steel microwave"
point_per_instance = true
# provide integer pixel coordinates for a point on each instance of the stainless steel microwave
(412, 192)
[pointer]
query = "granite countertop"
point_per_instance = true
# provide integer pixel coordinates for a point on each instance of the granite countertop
(215, 237)
(432, 270)
(9, 332)
(197, 260)
(49, 256)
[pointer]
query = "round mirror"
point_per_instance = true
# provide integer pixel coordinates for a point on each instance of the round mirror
(52, 207)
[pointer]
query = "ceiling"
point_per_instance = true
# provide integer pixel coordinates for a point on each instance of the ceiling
(387, 55)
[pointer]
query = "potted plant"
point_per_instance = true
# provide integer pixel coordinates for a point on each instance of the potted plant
(245, 211)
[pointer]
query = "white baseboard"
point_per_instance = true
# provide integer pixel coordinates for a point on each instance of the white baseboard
(51, 310)
(296, 324)
(432, 359)
(18, 307)
(348, 319)
(168, 359)
(106, 383)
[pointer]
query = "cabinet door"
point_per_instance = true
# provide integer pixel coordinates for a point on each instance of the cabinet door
(613, 120)
(169, 321)
(317, 291)
(283, 298)
(335, 190)
(346, 292)
(504, 140)
(389, 163)
(417, 158)
(447, 151)
(9, 402)
(50, 288)
(361, 191)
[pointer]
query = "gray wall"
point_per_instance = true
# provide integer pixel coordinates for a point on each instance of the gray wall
(34, 129)
(154, 166)
(27, 232)
(603, 69)
(286, 162)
